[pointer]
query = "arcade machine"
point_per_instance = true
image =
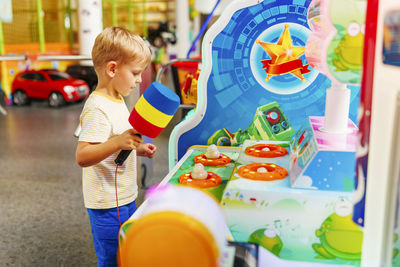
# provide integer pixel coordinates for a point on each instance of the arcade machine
(274, 141)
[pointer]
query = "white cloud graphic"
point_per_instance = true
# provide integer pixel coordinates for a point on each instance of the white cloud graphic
(304, 182)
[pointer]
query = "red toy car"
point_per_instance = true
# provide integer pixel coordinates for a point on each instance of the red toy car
(55, 86)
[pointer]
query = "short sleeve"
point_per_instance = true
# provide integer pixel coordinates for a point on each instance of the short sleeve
(95, 126)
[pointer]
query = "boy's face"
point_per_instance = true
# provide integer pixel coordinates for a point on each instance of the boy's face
(127, 76)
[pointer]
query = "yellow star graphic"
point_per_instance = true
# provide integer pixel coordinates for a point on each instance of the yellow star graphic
(283, 51)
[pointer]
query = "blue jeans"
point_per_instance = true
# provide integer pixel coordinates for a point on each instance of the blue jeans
(105, 228)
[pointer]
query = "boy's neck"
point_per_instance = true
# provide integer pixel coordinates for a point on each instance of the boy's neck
(108, 91)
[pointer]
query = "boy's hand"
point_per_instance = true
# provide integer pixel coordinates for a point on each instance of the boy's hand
(146, 150)
(129, 140)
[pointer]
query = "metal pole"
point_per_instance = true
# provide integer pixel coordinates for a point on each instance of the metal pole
(4, 71)
(169, 63)
(40, 14)
(114, 13)
(1, 39)
(71, 29)
(63, 58)
(130, 15)
(182, 27)
(145, 26)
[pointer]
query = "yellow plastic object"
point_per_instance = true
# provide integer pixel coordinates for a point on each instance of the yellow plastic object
(168, 239)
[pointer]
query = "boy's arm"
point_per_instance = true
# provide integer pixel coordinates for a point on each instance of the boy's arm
(88, 154)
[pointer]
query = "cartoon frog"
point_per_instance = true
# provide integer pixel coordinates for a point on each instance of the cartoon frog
(268, 239)
(340, 237)
(348, 53)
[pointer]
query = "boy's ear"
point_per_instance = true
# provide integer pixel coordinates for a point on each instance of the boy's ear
(111, 67)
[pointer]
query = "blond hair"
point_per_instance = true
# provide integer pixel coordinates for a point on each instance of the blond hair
(120, 45)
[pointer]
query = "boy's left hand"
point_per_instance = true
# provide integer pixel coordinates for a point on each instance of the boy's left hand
(146, 150)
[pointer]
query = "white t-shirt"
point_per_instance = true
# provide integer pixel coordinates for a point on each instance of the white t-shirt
(103, 117)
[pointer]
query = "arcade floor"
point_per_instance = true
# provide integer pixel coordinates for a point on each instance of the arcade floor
(43, 221)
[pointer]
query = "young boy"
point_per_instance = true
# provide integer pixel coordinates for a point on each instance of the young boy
(119, 58)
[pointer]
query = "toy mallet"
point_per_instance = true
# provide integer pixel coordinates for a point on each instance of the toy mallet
(152, 113)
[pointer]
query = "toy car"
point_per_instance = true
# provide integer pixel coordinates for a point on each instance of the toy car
(55, 86)
(85, 73)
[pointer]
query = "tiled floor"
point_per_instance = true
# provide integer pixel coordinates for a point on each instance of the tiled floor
(43, 221)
